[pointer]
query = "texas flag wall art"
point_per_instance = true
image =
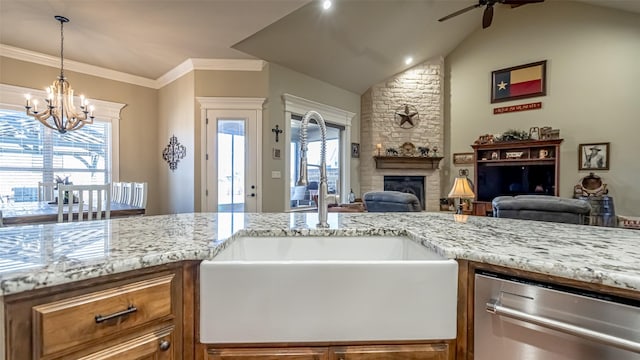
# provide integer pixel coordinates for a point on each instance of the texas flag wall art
(519, 82)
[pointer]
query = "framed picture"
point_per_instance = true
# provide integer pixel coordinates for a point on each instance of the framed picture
(462, 158)
(593, 156)
(519, 82)
(355, 150)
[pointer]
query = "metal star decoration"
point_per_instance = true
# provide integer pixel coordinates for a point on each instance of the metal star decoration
(407, 116)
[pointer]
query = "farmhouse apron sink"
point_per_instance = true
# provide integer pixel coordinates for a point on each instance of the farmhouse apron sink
(309, 288)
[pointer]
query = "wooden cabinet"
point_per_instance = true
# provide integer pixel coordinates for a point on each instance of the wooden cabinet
(431, 351)
(135, 315)
(63, 324)
(515, 168)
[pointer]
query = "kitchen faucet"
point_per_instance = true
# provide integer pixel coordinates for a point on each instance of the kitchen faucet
(303, 178)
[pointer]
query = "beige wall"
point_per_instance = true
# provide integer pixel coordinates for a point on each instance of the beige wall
(593, 87)
(176, 114)
(281, 81)
(138, 124)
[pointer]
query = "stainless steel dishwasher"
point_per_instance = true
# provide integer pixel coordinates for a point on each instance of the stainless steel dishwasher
(518, 319)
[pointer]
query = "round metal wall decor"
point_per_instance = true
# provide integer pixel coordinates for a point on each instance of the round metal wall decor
(406, 116)
(174, 152)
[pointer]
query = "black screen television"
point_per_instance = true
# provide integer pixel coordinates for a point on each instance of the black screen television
(498, 180)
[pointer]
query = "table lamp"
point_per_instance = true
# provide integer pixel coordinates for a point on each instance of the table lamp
(462, 189)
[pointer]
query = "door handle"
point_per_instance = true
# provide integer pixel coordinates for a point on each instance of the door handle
(252, 195)
(495, 307)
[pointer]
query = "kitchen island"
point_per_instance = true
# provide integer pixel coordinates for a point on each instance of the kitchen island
(35, 259)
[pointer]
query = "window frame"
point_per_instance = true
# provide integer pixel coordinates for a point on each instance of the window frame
(12, 98)
(294, 105)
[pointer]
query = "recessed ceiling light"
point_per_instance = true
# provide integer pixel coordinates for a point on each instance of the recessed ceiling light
(408, 60)
(326, 4)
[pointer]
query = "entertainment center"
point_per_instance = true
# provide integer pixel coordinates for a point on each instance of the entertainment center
(514, 168)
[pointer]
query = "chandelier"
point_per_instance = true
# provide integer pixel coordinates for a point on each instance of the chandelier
(59, 111)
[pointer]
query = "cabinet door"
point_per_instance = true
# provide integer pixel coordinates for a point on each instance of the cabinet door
(156, 345)
(438, 351)
(303, 353)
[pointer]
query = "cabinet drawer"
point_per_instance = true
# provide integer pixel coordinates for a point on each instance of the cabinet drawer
(156, 345)
(391, 352)
(292, 353)
(67, 323)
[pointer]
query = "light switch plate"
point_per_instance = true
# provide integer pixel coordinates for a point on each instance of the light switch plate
(276, 175)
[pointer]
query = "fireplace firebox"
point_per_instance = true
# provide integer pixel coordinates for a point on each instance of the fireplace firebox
(407, 184)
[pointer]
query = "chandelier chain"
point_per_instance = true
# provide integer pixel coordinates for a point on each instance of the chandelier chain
(60, 113)
(61, 49)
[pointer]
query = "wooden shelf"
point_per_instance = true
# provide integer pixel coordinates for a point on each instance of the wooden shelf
(531, 154)
(407, 162)
(511, 162)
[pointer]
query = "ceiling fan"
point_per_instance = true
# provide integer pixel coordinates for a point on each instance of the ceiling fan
(487, 16)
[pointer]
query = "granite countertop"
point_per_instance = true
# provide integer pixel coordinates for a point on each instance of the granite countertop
(38, 256)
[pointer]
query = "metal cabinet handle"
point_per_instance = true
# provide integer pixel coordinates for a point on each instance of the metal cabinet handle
(164, 345)
(131, 309)
(494, 307)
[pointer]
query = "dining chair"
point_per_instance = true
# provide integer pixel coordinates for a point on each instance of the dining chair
(126, 192)
(139, 195)
(116, 192)
(46, 191)
(96, 197)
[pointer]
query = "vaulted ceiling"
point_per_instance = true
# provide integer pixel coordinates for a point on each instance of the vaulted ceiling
(354, 45)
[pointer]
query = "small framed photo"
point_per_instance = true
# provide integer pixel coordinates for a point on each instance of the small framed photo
(275, 152)
(462, 158)
(355, 150)
(593, 156)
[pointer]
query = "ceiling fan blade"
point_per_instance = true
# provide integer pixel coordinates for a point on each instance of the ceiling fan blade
(459, 12)
(487, 16)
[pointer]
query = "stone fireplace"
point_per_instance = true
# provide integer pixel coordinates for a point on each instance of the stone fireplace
(422, 87)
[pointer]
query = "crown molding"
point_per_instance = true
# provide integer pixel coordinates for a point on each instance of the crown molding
(54, 61)
(209, 64)
(171, 75)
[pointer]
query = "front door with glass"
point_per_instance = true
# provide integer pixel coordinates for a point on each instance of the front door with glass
(232, 161)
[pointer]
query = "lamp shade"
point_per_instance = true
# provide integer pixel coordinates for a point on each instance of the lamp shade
(461, 189)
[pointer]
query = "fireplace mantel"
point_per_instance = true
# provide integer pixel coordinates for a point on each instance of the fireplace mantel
(407, 162)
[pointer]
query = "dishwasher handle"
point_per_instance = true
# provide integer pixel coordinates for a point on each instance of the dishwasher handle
(495, 307)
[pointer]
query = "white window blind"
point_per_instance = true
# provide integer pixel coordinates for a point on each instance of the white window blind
(30, 152)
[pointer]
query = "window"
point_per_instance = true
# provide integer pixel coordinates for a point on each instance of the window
(302, 196)
(338, 123)
(31, 153)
